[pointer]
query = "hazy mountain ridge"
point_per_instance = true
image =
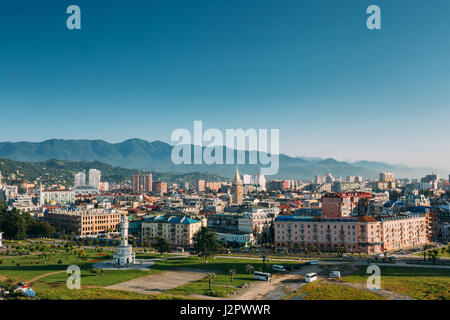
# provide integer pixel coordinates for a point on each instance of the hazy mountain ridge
(156, 156)
(62, 171)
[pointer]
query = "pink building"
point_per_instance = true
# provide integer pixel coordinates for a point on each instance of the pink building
(340, 205)
(364, 234)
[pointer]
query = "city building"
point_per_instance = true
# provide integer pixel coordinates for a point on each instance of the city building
(389, 179)
(84, 222)
(95, 178)
(200, 186)
(365, 234)
(142, 182)
(340, 205)
(239, 238)
(177, 230)
(80, 179)
(56, 197)
(159, 187)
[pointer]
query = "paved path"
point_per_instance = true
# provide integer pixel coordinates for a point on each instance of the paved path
(30, 282)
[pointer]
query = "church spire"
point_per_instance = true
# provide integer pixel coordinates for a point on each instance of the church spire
(237, 177)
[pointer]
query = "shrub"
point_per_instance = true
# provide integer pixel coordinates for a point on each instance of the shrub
(218, 293)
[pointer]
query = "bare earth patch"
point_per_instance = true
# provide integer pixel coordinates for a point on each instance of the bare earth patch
(157, 283)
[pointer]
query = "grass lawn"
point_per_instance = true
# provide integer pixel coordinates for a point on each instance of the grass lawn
(222, 284)
(60, 292)
(25, 268)
(419, 283)
(322, 290)
(441, 254)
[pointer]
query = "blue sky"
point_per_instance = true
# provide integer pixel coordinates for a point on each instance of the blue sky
(140, 69)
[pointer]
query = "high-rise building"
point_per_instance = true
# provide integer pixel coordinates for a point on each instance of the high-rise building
(318, 179)
(160, 187)
(200, 185)
(236, 189)
(94, 178)
(80, 179)
(142, 182)
(329, 178)
(387, 177)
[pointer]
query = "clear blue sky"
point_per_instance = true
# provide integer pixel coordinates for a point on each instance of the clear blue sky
(310, 68)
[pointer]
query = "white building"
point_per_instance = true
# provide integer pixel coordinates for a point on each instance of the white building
(94, 178)
(57, 197)
(80, 179)
(245, 239)
(8, 192)
(258, 180)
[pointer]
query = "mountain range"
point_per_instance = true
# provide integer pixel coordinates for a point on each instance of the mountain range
(138, 154)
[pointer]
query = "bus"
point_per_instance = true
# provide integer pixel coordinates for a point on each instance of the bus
(262, 276)
(310, 277)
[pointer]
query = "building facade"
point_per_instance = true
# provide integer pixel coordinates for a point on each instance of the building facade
(365, 234)
(177, 230)
(84, 222)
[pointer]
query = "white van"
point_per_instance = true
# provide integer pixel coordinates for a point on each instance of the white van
(310, 277)
(314, 262)
(262, 276)
(335, 274)
(278, 267)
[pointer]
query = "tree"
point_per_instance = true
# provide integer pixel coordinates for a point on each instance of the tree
(211, 277)
(249, 268)
(264, 257)
(232, 272)
(162, 245)
(205, 243)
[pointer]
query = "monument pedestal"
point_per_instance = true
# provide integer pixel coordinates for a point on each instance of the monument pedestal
(124, 255)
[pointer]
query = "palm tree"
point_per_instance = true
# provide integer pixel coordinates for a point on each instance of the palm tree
(249, 268)
(232, 272)
(211, 277)
(264, 257)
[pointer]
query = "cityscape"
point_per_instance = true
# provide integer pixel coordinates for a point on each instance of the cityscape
(210, 158)
(238, 238)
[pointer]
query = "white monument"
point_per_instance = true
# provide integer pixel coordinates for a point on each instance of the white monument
(124, 254)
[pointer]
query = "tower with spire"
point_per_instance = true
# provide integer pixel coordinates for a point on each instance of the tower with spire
(236, 188)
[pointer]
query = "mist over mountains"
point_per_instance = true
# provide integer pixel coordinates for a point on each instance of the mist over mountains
(156, 156)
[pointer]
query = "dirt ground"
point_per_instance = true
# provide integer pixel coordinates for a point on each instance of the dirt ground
(280, 286)
(157, 283)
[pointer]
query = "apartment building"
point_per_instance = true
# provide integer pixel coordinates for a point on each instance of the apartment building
(404, 231)
(365, 234)
(177, 230)
(56, 197)
(84, 222)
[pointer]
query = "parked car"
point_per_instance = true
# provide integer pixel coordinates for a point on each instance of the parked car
(278, 267)
(335, 274)
(314, 262)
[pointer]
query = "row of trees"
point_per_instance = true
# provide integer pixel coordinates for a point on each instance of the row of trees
(17, 225)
